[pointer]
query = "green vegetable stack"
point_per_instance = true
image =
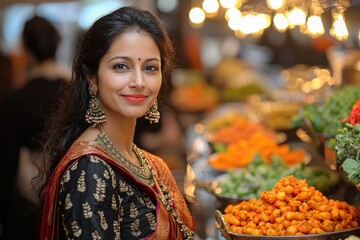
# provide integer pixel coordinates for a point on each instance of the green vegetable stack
(258, 176)
(347, 146)
(326, 119)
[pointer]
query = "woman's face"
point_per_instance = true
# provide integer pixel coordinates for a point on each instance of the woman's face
(129, 76)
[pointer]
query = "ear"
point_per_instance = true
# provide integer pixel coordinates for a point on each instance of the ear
(92, 81)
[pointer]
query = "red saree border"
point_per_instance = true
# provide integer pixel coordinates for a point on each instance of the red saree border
(167, 228)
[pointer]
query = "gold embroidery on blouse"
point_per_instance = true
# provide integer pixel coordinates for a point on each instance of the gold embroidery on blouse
(152, 220)
(81, 186)
(66, 177)
(121, 209)
(76, 229)
(87, 210)
(74, 167)
(103, 222)
(113, 179)
(106, 174)
(124, 187)
(133, 210)
(94, 159)
(141, 200)
(95, 235)
(66, 231)
(68, 203)
(116, 227)
(113, 203)
(135, 228)
(100, 189)
(149, 203)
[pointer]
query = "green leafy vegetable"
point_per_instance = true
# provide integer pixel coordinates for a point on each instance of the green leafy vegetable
(259, 176)
(326, 118)
(347, 148)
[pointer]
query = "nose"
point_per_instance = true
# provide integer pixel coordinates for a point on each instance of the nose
(138, 79)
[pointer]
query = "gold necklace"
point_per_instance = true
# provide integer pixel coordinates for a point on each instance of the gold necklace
(142, 172)
(166, 198)
(146, 174)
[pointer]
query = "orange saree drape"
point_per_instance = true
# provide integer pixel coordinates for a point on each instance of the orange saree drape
(167, 227)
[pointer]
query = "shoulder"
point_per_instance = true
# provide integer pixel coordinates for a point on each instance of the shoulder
(87, 167)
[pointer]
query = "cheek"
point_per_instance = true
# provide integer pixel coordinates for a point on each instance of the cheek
(156, 85)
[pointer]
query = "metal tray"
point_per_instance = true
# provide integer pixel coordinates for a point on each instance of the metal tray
(338, 235)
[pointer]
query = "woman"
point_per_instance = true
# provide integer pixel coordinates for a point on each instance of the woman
(101, 185)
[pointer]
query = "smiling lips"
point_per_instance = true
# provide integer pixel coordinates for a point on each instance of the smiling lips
(135, 98)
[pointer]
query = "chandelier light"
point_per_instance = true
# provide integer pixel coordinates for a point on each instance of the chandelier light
(246, 17)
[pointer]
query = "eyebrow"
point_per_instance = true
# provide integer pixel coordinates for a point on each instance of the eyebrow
(128, 58)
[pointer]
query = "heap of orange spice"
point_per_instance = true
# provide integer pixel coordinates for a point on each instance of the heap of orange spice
(240, 153)
(291, 208)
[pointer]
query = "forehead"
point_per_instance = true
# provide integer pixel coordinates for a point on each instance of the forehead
(134, 44)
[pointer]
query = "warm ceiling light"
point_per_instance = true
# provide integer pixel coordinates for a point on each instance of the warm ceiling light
(338, 28)
(211, 7)
(315, 26)
(228, 3)
(232, 13)
(297, 16)
(280, 22)
(197, 15)
(275, 4)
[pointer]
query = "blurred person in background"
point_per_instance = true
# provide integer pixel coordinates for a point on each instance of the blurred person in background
(22, 117)
(6, 75)
(97, 183)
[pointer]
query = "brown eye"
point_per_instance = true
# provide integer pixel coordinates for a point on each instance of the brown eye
(151, 68)
(120, 67)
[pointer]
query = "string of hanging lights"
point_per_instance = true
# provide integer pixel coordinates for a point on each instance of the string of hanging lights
(251, 17)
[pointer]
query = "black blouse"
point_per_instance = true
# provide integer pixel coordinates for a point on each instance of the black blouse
(98, 203)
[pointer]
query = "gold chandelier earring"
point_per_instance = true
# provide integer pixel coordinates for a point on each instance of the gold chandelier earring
(153, 114)
(95, 114)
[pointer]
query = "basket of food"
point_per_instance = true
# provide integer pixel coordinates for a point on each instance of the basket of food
(291, 210)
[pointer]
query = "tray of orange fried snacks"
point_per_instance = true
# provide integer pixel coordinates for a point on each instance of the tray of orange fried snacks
(291, 210)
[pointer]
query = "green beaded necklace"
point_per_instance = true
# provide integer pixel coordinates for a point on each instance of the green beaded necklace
(167, 199)
(146, 174)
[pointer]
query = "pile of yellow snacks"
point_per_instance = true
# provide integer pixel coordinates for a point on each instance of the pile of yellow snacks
(292, 207)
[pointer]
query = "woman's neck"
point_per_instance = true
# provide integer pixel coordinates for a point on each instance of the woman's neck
(121, 134)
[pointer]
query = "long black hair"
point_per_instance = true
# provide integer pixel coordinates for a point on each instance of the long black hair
(68, 123)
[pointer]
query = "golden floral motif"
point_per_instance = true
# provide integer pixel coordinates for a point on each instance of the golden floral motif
(66, 177)
(114, 206)
(81, 187)
(87, 210)
(135, 228)
(74, 166)
(133, 210)
(116, 226)
(76, 229)
(95, 235)
(100, 189)
(152, 220)
(103, 222)
(68, 203)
